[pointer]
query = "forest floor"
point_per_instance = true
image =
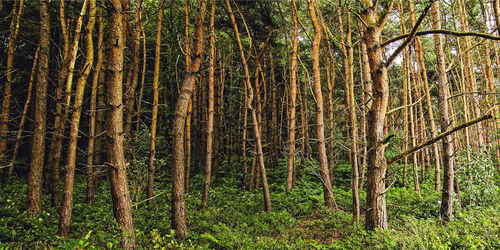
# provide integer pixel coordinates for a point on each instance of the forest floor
(235, 219)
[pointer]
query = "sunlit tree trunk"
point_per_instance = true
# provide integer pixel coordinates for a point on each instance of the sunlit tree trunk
(54, 156)
(34, 192)
(376, 215)
(67, 201)
(249, 99)
(447, 193)
(320, 125)
(421, 62)
(156, 80)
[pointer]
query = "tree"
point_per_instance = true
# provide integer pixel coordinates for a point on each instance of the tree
(67, 201)
(445, 121)
(181, 107)
(320, 129)
(210, 122)
(114, 127)
(34, 199)
(156, 80)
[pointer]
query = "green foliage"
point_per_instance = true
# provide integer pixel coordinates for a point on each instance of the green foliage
(236, 220)
(478, 179)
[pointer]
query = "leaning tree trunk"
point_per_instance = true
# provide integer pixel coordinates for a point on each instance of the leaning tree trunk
(67, 201)
(23, 117)
(248, 104)
(114, 126)
(55, 151)
(320, 126)
(178, 171)
(11, 47)
(34, 193)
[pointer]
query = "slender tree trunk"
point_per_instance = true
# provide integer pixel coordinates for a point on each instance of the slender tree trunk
(178, 171)
(447, 194)
(133, 75)
(367, 100)
(156, 80)
(210, 123)
(274, 107)
(350, 103)
(67, 201)
(34, 192)
(143, 78)
(293, 97)
(55, 151)
(23, 117)
(320, 126)
(11, 47)
(413, 126)
(190, 107)
(90, 171)
(428, 102)
(260, 156)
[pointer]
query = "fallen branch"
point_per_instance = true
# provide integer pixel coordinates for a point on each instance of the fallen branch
(439, 137)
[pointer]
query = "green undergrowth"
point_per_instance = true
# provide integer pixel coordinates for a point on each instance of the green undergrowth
(236, 220)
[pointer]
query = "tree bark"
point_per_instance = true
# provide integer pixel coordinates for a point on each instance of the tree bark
(249, 99)
(90, 171)
(320, 129)
(34, 192)
(178, 171)
(66, 74)
(210, 122)
(114, 126)
(293, 97)
(447, 193)
(156, 80)
(376, 214)
(67, 201)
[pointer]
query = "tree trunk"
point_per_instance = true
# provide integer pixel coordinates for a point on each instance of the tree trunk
(34, 192)
(447, 193)
(133, 75)
(320, 129)
(66, 74)
(249, 99)
(376, 214)
(23, 117)
(156, 80)
(116, 156)
(210, 122)
(293, 97)
(90, 172)
(11, 47)
(67, 201)
(178, 171)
